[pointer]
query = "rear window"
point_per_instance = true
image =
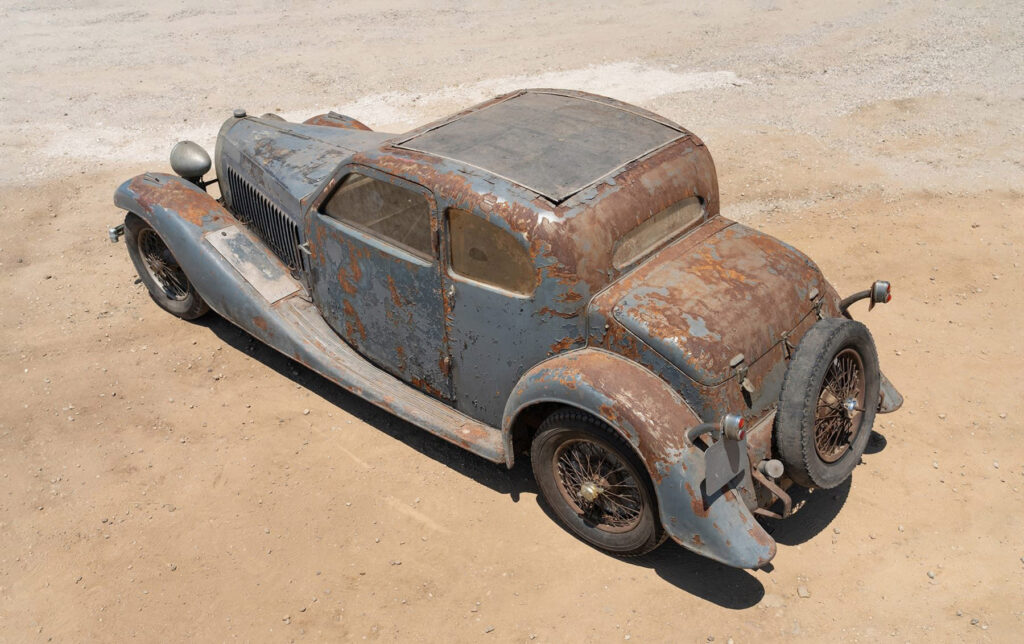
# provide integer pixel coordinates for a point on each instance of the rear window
(662, 227)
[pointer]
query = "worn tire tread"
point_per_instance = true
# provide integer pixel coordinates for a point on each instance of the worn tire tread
(192, 308)
(578, 419)
(798, 401)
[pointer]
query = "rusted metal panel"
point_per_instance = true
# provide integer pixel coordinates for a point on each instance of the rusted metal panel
(734, 294)
(333, 119)
(654, 419)
(383, 301)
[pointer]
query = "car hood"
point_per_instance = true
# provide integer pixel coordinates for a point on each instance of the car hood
(287, 157)
(737, 291)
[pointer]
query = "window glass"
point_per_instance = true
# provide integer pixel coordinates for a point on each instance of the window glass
(660, 228)
(385, 210)
(485, 253)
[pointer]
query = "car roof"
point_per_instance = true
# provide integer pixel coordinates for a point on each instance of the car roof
(554, 143)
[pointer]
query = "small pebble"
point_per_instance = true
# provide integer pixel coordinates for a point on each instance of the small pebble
(802, 592)
(931, 575)
(935, 464)
(974, 621)
(959, 613)
(835, 530)
(995, 464)
(305, 412)
(488, 629)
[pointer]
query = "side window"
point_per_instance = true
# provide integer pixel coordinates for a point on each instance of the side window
(485, 253)
(397, 215)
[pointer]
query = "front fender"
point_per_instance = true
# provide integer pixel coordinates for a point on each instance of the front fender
(183, 214)
(654, 419)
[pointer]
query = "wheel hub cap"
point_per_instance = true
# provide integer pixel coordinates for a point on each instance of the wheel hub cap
(850, 406)
(590, 491)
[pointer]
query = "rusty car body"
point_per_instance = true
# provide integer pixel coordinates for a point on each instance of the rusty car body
(483, 274)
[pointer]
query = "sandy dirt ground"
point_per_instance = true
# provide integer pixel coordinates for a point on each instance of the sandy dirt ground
(165, 481)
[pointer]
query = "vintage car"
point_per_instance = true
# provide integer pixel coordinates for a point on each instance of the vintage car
(546, 273)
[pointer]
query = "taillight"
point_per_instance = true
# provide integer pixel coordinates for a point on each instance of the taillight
(881, 293)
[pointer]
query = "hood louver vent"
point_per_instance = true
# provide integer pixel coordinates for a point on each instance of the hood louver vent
(268, 221)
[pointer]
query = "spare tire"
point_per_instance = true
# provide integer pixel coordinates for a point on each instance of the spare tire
(828, 403)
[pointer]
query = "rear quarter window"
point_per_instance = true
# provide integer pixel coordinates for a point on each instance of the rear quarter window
(660, 228)
(482, 252)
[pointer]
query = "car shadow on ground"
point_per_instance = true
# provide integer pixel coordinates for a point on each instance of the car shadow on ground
(816, 510)
(495, 477)
(717, 583)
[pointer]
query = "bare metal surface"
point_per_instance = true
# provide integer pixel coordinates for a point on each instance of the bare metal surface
(251, 263)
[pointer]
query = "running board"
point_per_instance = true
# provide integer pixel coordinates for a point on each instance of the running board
(319, 348)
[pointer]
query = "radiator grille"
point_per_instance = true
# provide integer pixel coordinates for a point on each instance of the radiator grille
(279, 232)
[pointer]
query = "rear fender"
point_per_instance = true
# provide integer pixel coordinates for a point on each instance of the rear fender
(654, 419)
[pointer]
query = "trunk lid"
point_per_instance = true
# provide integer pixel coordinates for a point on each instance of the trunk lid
(701, 303)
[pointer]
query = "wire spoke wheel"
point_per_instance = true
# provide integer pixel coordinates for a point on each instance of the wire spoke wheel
(598, 485)
(840, 406)
(161, 265)
(828, 403)
(160, 272)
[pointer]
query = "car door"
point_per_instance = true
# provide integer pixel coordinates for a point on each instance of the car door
(376, 276)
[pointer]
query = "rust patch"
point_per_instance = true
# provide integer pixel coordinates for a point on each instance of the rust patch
(762, 538)
(423, 385)
(192, 205)
(562, 314)
(260, 322)
(696, 502)
(332, 119)
(352, 322)
(394, 292)
(565, 344)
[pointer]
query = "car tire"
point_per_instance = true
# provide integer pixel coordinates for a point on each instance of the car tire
(828, 403)
(164, 278)
(608, 501)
